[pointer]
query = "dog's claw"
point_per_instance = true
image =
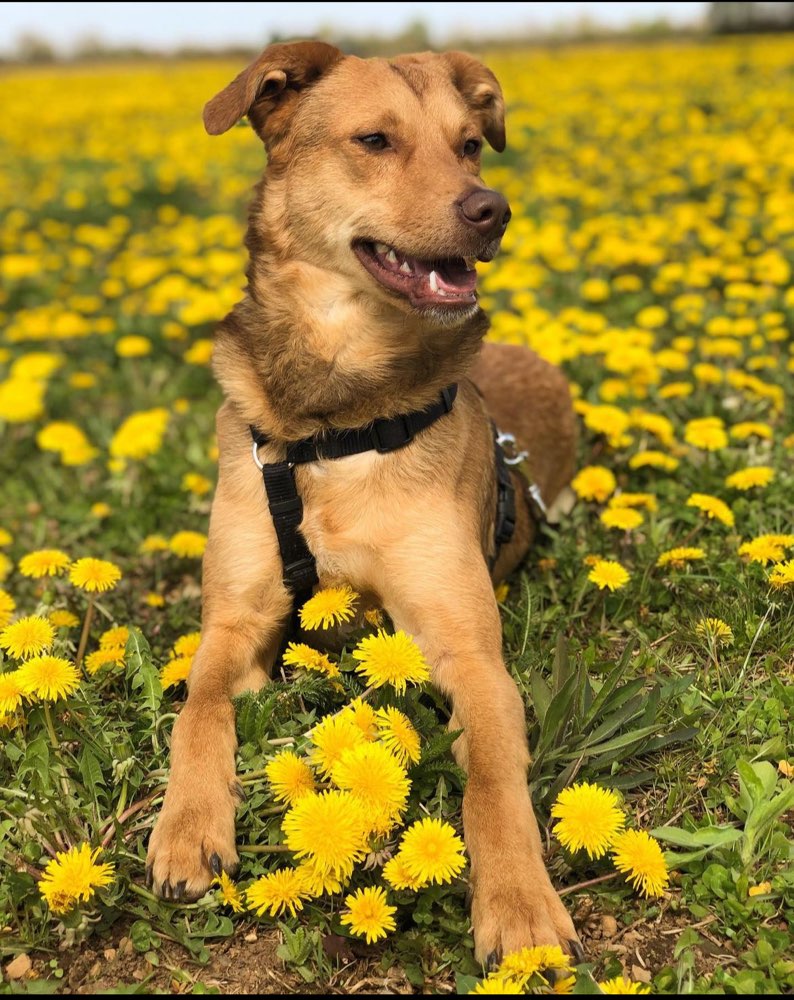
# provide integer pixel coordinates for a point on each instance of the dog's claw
(215, 865)
(239, 791)
(166, 890)
(493, 961)
(576, 950)
(149, 876)
(179, 890)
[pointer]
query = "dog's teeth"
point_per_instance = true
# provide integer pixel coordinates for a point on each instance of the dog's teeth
(391, 257)
(381, 248)
(405, 267)
(433, 281)
(442, 292)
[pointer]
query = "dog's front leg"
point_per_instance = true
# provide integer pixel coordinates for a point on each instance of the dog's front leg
(452, 612)
(245, 609)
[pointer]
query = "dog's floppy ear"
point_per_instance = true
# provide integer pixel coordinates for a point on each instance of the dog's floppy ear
(272, 80)
(481, 91)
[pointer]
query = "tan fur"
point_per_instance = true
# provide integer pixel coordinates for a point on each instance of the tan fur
(317, 343)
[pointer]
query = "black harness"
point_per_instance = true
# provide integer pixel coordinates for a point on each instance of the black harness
(383, 436)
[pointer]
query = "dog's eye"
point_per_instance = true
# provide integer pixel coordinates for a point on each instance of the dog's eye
(375, 140)
(471, 147)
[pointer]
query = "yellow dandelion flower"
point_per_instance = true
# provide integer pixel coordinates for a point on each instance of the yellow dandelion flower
(363, 715)
(175, 671)
(228, 893)
(368, 915)
(43, 562)
(751, 428)
(501, 591)
(587, 817)
(320, 883)
(105, 656)
(680, 556)
(298, 654)
(277, 893)
(654, 460)
(94, 575)
(328, 607)
(6, 538)
(715, 629)
(72, 876)
(621, 985)
(187, 645)
(782, 575)
(646, 500)
(152, 600)
(594, 482)
(133, 346)
(432, 852)
(27, 636)
(707, 433)
(563, 985)
(113, 637)
(396, 873)
(195, 483)
(290, 777)
(608, 574)
(712, 507)
(397, 733)
(766, 548)
(331, 737)
(61, 618)
(330, 828)
(48, 677)
(497, 986)
(153, 543)
(748, 479)
(140, 435)
(391, 659)
(374, 776)
(7, 607)
(524, 964)
(640, 858)
(188, 544)
(623, 518)
(101, 509)
(11, 692)
(5, 566)
(762, 889)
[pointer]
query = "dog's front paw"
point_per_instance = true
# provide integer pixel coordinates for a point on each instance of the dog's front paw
(192, 841)
(522, 911)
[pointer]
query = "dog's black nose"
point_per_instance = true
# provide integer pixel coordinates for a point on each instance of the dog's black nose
(487, 211)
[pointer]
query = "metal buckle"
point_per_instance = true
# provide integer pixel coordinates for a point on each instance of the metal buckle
(502, 439)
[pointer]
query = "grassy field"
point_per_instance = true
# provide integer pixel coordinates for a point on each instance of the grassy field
(650, 255)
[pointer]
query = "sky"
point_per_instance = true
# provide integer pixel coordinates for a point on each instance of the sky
(169, 25)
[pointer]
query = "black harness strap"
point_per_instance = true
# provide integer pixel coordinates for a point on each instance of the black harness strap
(286, 506)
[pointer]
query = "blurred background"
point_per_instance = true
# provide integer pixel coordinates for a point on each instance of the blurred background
(47, 32)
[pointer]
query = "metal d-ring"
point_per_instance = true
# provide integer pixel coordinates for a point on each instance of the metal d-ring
(504, 438)
(257, 461)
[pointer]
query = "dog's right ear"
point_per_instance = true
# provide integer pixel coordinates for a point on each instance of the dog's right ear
(271, 84)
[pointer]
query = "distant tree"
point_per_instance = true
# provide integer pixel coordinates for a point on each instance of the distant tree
(33, 48)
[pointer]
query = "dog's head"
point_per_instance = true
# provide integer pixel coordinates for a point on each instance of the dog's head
(373, 169)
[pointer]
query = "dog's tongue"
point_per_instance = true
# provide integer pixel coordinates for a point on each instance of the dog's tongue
(443, 279)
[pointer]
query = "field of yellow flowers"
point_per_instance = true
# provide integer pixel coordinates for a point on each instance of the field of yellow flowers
(651, 255)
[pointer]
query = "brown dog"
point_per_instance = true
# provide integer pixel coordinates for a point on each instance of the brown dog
(361, 304)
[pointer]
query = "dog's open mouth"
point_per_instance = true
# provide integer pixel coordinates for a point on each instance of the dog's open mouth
(450, 282)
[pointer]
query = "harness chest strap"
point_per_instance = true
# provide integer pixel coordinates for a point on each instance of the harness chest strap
(383, 436)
